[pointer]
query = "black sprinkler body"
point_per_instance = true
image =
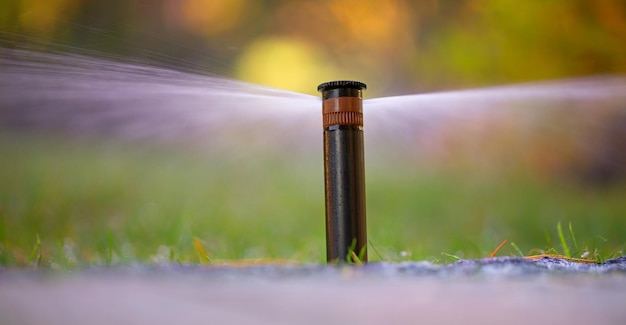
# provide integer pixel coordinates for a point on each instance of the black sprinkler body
(344, 171)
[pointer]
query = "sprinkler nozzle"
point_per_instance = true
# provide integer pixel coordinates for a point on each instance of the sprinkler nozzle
(344, 171)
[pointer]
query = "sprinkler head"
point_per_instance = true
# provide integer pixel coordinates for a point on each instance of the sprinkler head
(342, 102)
(341, 84)
(344, 171)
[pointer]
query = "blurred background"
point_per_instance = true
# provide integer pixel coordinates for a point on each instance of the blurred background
(398, 46)
(459, 183)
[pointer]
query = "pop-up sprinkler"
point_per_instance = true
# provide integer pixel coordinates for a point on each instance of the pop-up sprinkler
(344, 172)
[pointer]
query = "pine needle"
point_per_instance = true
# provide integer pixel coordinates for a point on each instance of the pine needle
(563, 257)
(497, 249)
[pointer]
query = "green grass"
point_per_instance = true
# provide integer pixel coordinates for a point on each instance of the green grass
(67, 204)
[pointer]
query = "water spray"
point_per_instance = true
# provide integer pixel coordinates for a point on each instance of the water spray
(344, 171)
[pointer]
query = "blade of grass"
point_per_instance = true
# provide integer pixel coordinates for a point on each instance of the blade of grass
(571, 233)
(562, 239)
(355, 259)
(454, 257)
(35, 254)
(351, 257)
(203, 256)
(172, 256)
(375, 250)
(516, 248)
(110, 246)
(548, 238)
(362, 253)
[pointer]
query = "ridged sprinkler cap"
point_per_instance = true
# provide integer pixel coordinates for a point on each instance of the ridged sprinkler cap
(342, 102)
(341, 84)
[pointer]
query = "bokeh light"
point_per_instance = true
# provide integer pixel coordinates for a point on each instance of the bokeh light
(285, 63)
(208, 17)
(43, 16)
(397, 46)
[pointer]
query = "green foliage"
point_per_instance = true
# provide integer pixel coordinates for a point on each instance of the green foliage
(592, 251)
(95, 204)
(497, 41)
(422, 44)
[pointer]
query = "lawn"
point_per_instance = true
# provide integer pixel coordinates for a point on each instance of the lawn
(67, 203)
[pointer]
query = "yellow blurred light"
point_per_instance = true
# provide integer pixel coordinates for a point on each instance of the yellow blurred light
(375, 38)
(349, 27)
(211, 17)
(378, 25)
(42, 16)
(285, 63)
